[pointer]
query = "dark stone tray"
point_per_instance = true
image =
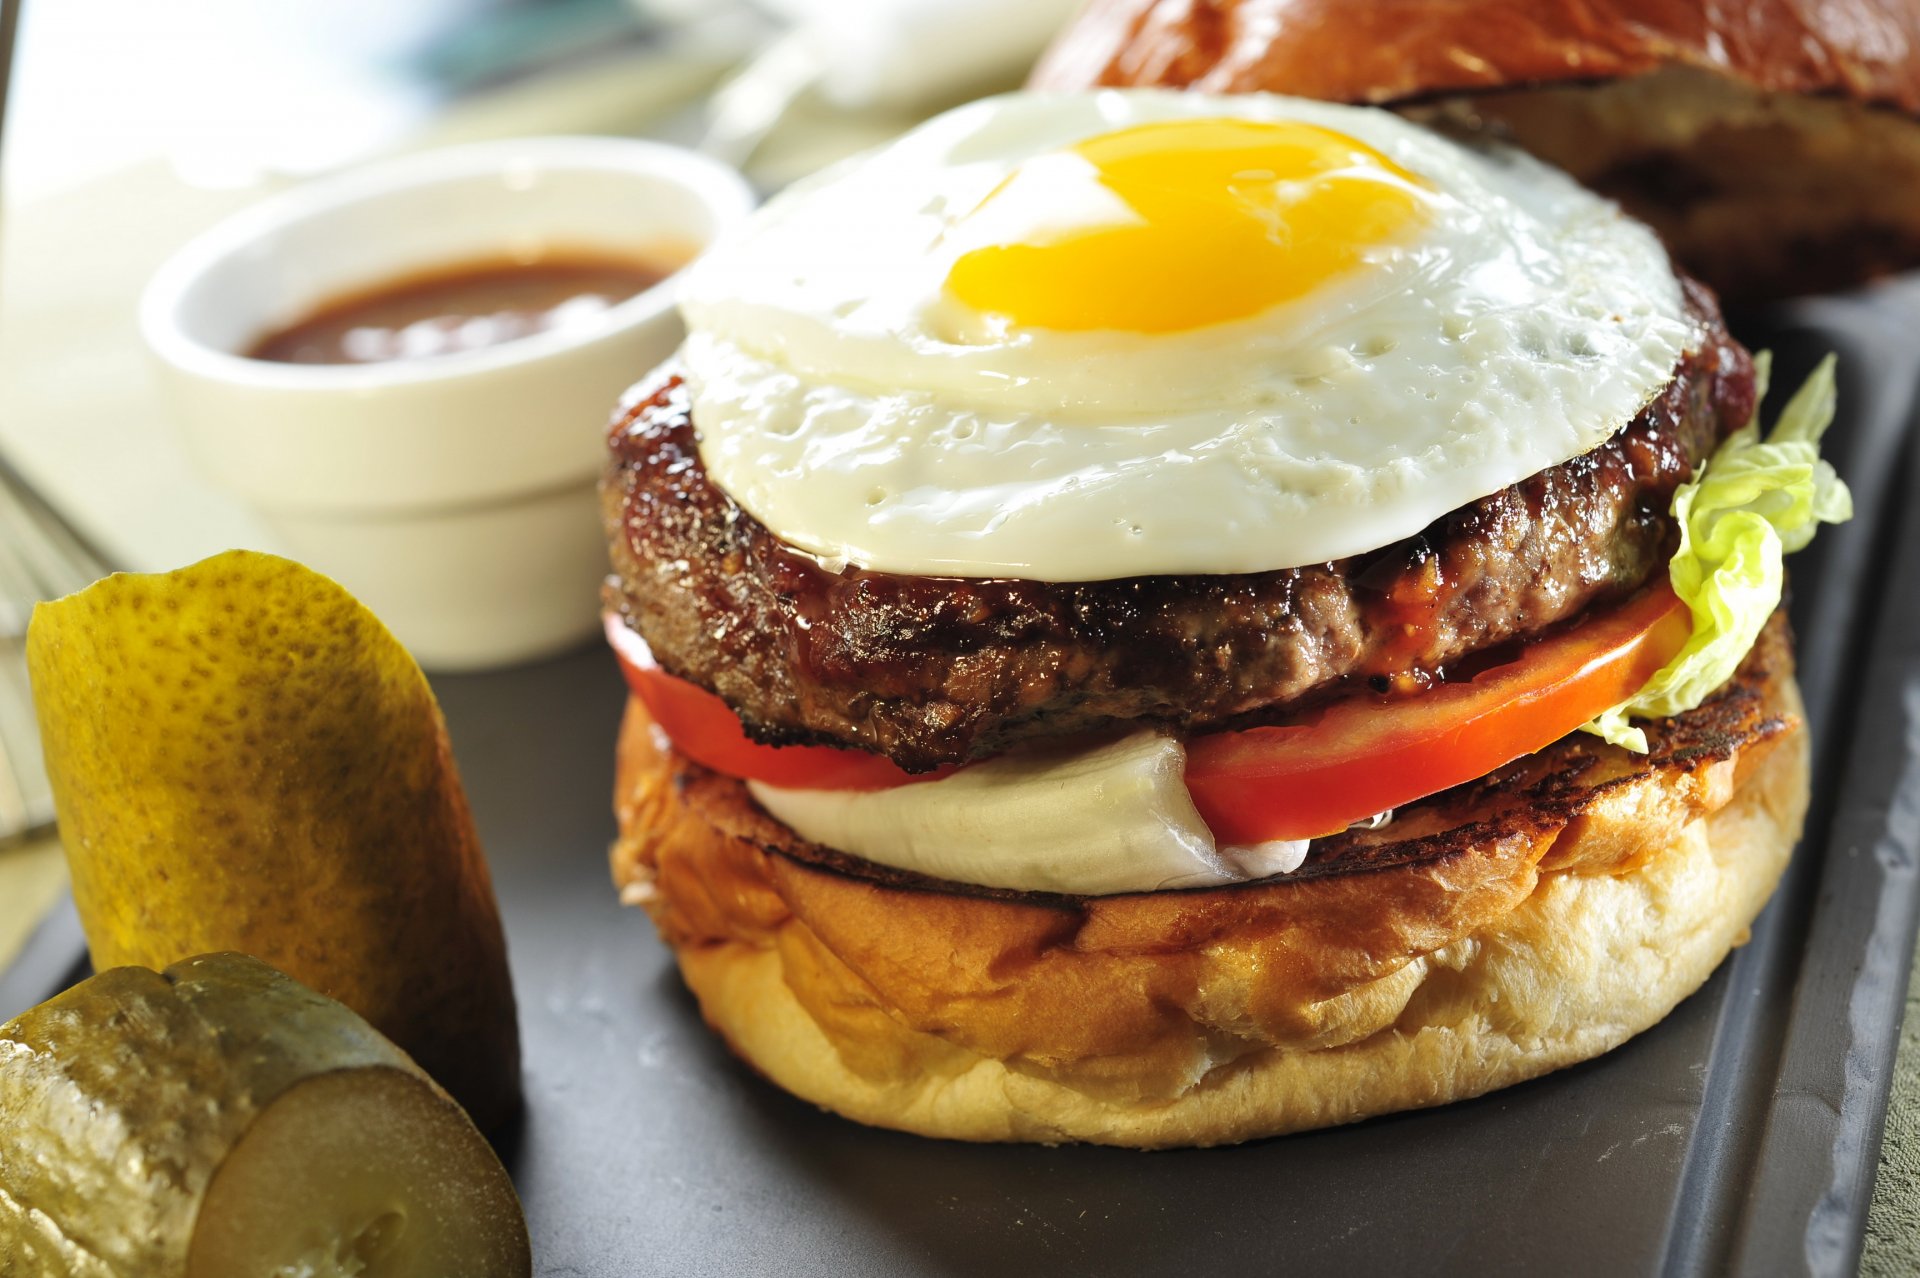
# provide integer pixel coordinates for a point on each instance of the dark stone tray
(1740, 1135)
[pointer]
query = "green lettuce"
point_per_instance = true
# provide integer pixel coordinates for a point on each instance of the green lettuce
(1754, 502)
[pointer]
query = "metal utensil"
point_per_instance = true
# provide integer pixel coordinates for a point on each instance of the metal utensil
(18, 734)
(40, 558)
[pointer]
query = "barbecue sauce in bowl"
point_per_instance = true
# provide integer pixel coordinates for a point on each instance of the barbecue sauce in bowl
(464, 307)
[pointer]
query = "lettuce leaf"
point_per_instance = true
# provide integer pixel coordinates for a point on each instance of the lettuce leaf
(1752, 503)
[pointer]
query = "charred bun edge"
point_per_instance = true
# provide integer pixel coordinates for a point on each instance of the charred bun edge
(1574, 913)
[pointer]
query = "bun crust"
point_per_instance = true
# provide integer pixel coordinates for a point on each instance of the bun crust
(1394, 50)
(1771, 144)
(1563, 908)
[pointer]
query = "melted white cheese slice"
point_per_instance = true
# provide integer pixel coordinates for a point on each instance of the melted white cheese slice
(1091, 822)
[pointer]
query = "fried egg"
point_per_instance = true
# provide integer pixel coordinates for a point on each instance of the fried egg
(1074, 338)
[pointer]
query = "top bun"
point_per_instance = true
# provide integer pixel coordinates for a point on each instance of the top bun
(1773, 144)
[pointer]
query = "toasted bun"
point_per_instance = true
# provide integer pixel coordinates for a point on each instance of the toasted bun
(1772, 143)
(1506, 929)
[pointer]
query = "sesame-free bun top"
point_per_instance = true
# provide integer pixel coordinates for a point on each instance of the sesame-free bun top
(1387, 51)
(1771, 143)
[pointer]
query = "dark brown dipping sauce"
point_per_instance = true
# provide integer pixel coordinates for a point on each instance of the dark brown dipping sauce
(464, 307)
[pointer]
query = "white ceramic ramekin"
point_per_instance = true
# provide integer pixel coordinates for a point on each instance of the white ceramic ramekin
(454, 495)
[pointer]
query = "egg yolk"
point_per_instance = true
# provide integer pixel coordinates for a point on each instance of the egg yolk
(1182, 224)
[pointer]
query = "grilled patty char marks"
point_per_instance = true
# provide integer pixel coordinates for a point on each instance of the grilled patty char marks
(933, 670)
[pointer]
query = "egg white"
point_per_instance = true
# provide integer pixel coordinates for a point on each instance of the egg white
(863, 416)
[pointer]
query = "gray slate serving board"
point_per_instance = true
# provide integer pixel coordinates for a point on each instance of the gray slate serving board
(1739, 1135)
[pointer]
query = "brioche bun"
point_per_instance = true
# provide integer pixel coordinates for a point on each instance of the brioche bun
(1772, 144)
(1501, 930)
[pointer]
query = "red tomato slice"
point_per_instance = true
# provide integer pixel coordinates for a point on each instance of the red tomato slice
(1363, 755)
(1360, 756)
(706, 730)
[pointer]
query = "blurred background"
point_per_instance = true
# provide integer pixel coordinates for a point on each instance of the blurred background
(233, 92)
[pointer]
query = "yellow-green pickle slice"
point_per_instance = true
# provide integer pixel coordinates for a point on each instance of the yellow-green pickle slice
(221, 1120)
(243, 758)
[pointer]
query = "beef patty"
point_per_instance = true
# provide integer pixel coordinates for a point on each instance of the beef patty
(934, 670)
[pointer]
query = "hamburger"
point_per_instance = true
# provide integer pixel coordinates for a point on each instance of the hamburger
(1771, 143)
(1160, 619)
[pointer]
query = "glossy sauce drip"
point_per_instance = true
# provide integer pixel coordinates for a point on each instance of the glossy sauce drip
(463, 307)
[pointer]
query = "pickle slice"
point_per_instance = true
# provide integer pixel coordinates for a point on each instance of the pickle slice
(220, 1120)
(243, 758)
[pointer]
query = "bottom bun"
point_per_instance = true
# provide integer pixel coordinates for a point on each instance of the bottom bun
(1514, 928)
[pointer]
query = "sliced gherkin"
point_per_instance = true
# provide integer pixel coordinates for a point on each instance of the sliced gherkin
(221, 1120)
(243, 758)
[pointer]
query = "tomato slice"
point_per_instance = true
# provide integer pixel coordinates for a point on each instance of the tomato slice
(706, 730)
(1363, 755)
(1359, 756)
